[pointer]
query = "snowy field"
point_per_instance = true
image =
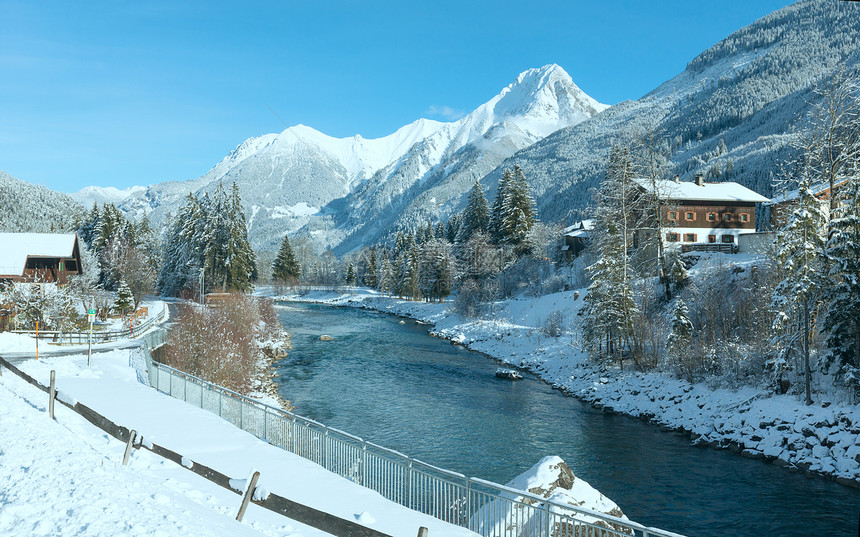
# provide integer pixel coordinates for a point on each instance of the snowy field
(65, 477)
(822, 438)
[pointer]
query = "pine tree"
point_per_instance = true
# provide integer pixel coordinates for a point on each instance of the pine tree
(518, 213)
(124, 299)
(476, 215)
(610, 308)
(370, 278)
(350, 275)
(387, 276)
(678, 342)
(497, 212)
(801, 251)
(285, 268)
(842, 318)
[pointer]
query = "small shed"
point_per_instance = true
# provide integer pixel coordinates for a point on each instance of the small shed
(39, 257)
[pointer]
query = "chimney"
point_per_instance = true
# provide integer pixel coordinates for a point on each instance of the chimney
(677, 178)
(700, 179)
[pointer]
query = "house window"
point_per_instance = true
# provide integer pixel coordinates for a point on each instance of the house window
(673, 215)
(727, 217)
(689, 215)
(712, 238)
(72, 265)
(728, 238)
(745, 217)
(712, 217)
(672, 237)
(689, 237)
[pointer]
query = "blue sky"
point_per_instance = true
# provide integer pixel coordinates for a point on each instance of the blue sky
(118, 93)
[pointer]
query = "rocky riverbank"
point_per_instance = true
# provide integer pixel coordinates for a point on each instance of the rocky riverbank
(821, 439)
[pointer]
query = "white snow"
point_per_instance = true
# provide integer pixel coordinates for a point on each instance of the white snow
(746, 419)
(15, 247)
(65, 477)
(689, 191)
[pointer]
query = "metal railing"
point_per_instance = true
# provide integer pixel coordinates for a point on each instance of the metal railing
(60, 337)
(487, 508)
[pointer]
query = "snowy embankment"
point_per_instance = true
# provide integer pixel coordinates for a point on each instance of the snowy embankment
(65, 477)
(822, 439)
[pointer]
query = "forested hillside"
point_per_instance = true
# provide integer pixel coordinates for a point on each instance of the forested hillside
(25, 207)
(728, 115)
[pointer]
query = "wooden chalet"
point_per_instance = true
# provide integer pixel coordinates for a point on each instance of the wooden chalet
(783, 205)
(39, 257)
(704, 216)
(577, 238)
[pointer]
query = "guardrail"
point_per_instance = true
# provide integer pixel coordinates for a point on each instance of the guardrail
(60, 337)
(489, 509)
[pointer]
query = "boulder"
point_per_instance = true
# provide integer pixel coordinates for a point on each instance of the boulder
(550, 479)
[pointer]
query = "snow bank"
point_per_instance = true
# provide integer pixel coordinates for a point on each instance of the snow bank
(821, 439)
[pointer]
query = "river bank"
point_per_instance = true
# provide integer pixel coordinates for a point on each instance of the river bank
(822, 439)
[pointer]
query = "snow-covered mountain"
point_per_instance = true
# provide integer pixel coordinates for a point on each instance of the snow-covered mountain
(91, 195)
(334, 186)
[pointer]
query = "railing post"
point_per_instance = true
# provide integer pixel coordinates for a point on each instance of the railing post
(361, 474)
(242, 414)
(325, 450)
(468, 503)
(546, 508)
(409, 484)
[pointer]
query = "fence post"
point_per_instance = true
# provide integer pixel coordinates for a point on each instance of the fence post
(246, 499)
(409, 484)
(546, 507)
(325, 450)
(242, 414)
(362, 474)
(468, 504)
(52, 391)
(128, 445)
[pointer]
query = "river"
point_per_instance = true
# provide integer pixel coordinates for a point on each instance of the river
(393, 384)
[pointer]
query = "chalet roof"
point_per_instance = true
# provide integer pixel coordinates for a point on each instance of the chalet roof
(690, 191)
(579, 228)
(16, 247)
(817, 190)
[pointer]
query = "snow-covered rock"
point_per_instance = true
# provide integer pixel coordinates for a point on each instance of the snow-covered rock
(551, 479)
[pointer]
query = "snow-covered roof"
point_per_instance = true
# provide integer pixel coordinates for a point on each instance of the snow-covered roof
(817, 189)
(689, 191)
(578, 228)
(16, 247)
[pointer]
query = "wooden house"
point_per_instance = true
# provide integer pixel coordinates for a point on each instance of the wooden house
(703, 216)
(576, 238)
(39, 257)
(783, 205)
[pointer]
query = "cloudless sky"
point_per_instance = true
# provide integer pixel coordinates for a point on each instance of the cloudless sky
(118, 93)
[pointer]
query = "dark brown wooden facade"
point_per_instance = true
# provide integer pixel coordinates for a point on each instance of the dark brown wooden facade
(43, 269)
(710, 215)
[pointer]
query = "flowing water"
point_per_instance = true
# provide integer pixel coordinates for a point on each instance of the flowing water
(395, 385)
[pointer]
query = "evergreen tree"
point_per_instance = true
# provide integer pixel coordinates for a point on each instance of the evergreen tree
(476, 215)
(518, 213)
(452, 228)
(610, 308)
(678, 342)
(497, 212)
(370, 278)
(124, 302)
(350, 275)
(285, 268)
(842, 318)
(387, 276)
(801, 251)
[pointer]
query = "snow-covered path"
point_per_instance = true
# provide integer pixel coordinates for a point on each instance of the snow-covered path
(65, 478)
(56, 471)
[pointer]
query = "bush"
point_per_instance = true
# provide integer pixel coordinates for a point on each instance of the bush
(552, 326)
(230, 345)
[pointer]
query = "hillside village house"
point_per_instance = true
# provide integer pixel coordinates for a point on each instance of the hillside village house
(39, 257)
(783, 205)
(698, 214)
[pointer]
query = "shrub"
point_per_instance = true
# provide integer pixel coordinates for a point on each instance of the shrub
(230, 345)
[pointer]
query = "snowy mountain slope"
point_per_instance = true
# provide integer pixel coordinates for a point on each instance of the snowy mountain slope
(304, 178)
(25, 207)
(91, 195)
(748, 90)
